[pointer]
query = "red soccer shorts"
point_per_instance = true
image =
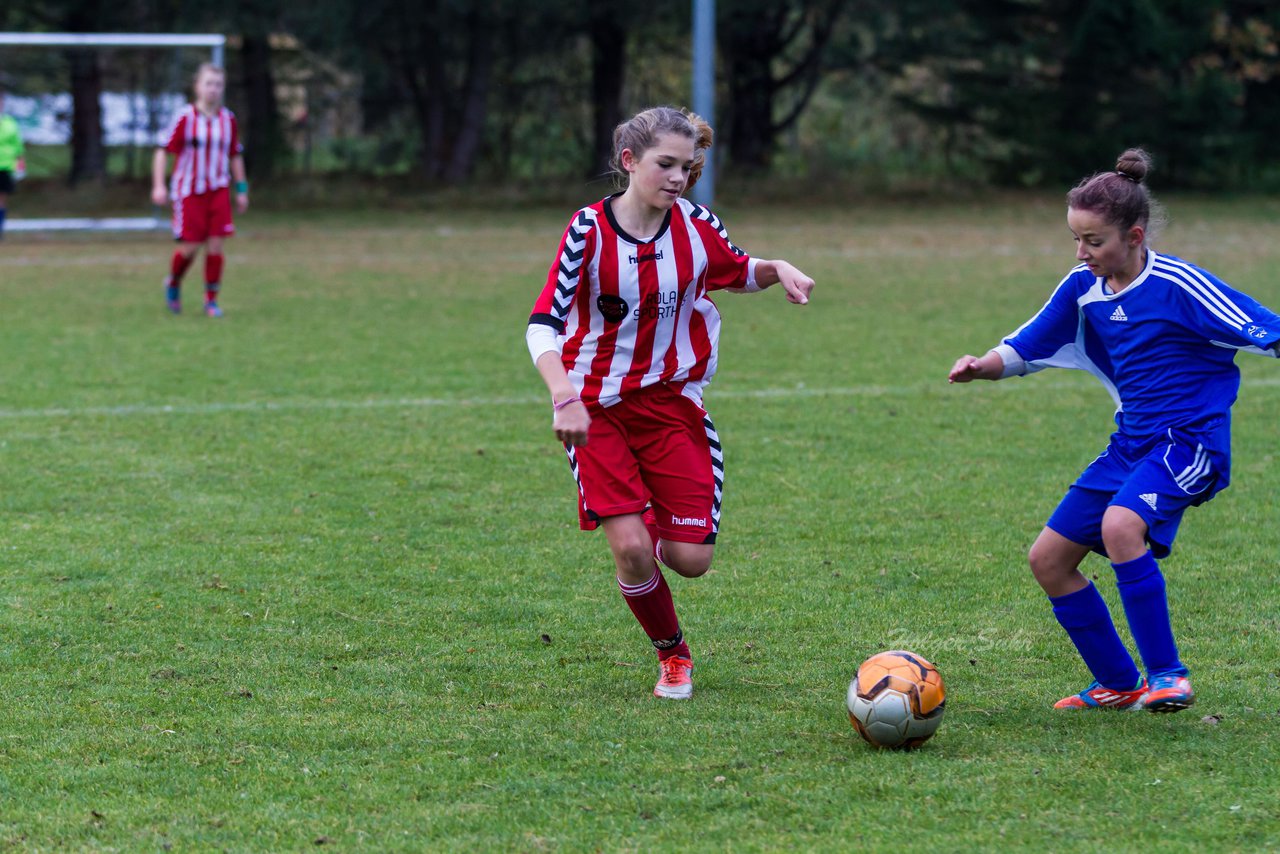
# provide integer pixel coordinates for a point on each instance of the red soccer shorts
(657, 447)
(197, 218)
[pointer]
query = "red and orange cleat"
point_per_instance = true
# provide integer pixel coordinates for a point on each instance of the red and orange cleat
(675, 681)
(1097, 697)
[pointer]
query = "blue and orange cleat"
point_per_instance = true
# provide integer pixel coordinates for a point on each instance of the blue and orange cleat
(1169, 692)
(1098, 697)
(211, 309)
(172, 296)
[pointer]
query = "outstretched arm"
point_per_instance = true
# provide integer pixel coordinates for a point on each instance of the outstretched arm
(970, 368)
(797, 285)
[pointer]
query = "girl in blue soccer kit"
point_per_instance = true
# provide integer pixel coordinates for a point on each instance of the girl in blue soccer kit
(1161, 334)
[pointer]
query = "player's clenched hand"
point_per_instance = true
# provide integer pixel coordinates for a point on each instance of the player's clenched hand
(571, 424)
(797, 285)
(966, 369)
(242, 202)
(159, 195)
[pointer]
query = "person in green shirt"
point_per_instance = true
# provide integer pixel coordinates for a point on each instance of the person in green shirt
(12, 163)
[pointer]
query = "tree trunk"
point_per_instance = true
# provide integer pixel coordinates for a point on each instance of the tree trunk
(750, 51)
(475, 101)
(88, 155)
(262, 115)
(753, 36)
(608, 73)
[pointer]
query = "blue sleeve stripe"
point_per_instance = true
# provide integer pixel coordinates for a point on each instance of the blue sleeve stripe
(1205, 292)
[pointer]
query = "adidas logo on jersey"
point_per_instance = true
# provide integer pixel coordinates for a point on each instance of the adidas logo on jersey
(1119, 314)
(1150, 498)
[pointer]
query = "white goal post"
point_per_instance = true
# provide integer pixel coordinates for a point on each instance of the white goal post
(216, 44)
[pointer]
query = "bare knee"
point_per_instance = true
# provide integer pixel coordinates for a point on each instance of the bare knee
(688, 559)
(1045, 565)
(1055, 562)
(1124, 534)
(634, 558)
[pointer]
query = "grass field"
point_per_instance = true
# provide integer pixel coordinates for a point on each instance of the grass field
(311, 575)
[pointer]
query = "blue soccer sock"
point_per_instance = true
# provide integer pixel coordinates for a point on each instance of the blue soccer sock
(1141, 586)
(1088, 622)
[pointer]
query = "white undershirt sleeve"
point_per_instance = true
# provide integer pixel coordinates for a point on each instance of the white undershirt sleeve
(1014, 364)
(541, 339)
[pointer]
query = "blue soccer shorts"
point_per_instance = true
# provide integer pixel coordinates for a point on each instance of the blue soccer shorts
(1158, 477)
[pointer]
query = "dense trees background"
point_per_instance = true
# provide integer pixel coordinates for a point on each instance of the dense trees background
(998, 91)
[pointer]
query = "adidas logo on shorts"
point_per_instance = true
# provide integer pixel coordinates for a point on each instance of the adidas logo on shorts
(1150, 498)
(1119, 314)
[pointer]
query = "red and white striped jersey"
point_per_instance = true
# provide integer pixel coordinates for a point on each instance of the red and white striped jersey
(204, 146)
(632, 313)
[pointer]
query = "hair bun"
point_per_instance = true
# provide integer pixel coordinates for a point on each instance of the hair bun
(1134, 163)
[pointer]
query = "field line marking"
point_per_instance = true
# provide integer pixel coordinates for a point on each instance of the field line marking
(302, 405)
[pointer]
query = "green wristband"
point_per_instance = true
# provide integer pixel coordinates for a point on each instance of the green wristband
(242, 186)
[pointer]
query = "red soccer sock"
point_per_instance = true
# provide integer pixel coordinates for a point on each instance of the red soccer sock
(651, 525)
(212, 276)
(178, 265)
(651, 603)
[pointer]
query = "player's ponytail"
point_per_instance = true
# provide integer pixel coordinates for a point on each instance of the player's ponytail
(1121, 197)
(1134, 164)
(703, 136)
(640, 133)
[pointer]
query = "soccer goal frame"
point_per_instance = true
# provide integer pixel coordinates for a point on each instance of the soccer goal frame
(216, 43)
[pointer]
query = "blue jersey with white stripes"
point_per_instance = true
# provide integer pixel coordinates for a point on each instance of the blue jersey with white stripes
(1164, 347)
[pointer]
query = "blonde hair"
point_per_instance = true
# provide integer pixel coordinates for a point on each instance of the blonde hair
(640, 133)
(210, 68)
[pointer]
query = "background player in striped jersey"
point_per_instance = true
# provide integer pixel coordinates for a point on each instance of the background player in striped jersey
(205, 140)
(625, 336)
(1161, 334)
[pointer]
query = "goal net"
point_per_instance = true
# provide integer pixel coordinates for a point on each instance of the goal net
(90, 107)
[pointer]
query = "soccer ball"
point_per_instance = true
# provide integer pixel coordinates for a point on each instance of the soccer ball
(896, 699)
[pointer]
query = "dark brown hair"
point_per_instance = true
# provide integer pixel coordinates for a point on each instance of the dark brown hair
(1121, 197)
(640, 133)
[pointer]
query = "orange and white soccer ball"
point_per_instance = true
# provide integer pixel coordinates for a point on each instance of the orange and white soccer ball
(896, 699)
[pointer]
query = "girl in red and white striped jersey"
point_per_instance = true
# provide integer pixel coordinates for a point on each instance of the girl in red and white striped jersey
(205, 140)
(625, 336)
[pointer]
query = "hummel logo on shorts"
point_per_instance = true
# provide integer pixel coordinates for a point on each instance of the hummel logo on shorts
(1119, 314)
(1150, 498)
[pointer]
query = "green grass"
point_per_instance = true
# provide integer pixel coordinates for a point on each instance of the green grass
(312, 574)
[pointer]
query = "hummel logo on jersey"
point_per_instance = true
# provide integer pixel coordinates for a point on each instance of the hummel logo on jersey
(1150, 498)
(1119, 314)
(657, 256)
